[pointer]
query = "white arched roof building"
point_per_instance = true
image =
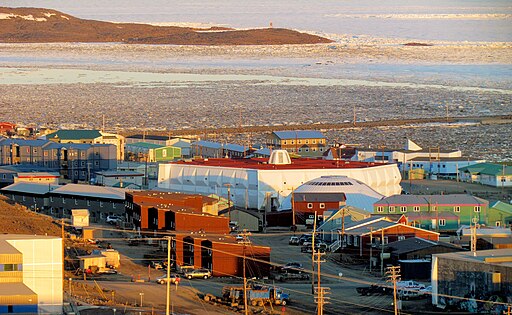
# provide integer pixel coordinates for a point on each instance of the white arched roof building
(358, 194)
(257, 182)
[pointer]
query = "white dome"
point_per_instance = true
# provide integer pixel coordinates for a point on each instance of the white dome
(279, 157)
(358, 194)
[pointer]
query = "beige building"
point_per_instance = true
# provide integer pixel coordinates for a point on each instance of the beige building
(89, 136)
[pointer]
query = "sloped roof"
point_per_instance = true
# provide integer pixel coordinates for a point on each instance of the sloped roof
(499, 205)
(91, 191)
(77, 134)
(488, 169)
(454, 199)
(207, 144)
(235, 147)
(416, 243)
(145, 145)
(23, 142)
(30, 188)
(299, 134)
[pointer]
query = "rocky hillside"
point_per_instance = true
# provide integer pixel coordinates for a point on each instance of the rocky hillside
(35, 25)
(16, 219)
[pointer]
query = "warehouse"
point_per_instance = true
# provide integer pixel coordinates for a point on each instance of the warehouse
(251, 182)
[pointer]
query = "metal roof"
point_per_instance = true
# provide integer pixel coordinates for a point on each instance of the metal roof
(480, 256)
(119, 173)
(207, 144)
(235, 147)
(488, 169)
(30, 188)
(145, 145)
(501, 206)
(91, 191)
(299, 134)
(76, 134)
(416, 243)
(455, 199)
(16, 289)
(23, 142)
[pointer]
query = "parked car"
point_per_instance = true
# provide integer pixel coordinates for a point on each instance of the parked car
(426, 292)
(305, 237)
(112, 219)
(173, 279)
(294, 240)
(156, 264)
(198, 273)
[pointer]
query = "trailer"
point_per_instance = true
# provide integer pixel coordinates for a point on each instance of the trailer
(256, 296)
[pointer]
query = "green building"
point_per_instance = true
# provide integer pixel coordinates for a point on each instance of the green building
(436, 212)
(500, 214)
(167, 154)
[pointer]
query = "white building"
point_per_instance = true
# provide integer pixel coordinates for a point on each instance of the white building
(250, 180)
(34, 278)
(358, 194)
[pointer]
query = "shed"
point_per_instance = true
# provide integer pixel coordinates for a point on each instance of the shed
(80, 218)
(91, 261)
(112, 257)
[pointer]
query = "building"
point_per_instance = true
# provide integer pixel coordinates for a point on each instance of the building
(89, 136)
(500, 214)
(168, 217)
(251, 182)
(414, 159)
(495, 175)
(306, 143)
(150, 152)
(360, 236)
(438, 212)
(461, 276)
(170, 211)
(120, 179)
(100, 201)
(38, 177)
(222, 255)
(333, 220)
(7, 128)
(31, 274)
(74, 162)
(326, 193)
(35, 196)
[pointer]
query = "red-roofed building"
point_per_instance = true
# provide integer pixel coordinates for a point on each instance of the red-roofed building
(7, 128)
(257, 182)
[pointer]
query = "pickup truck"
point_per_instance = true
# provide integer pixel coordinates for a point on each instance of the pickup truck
(374, 289)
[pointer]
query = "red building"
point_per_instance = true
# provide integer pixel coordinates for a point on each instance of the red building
(223, 255)
(362, 235)
(7, 128)
(158, 210)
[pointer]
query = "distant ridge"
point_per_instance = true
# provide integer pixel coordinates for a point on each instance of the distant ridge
(36, 25)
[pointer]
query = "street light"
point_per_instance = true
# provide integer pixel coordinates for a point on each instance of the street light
(141, 296)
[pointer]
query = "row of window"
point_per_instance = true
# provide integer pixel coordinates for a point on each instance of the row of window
(306, 141)
(305, 150)
(417, 209)
(331, 183)
(11, 267)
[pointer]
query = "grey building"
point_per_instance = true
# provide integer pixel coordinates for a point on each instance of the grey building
(34, 196)
(74, 161)
(459, 277)
(59, 200)
(100, 201)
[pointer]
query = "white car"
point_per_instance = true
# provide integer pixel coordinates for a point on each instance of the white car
(112, 219)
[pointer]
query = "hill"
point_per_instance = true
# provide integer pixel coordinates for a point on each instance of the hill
(16, 219)
(36, 25)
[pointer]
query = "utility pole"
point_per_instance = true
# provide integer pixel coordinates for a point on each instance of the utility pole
(371, 247)
(382, 254)
(320, 298)
(229, 200)
(245, 241)
(393, 274)
(168, 280)
(293, 211)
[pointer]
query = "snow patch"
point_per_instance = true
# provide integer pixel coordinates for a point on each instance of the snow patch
(30, 17)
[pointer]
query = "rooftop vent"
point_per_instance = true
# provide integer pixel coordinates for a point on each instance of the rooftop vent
(279, 157)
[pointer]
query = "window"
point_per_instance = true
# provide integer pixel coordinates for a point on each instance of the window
(380, 209)
(456, 209)
(76, 202)
(114, 206)
(416, 209)
(356, 241)
(498, 223)
(96, 163)
(322, 206)
(299, 141)
(23, 198)
(12, 267)
(164, 153)
(391, 208)
(88, 202)
(63, 200)
(386, 240)
(403, 209)
(306, 141)
(401, 237)
(442, 222)
(477, 208)
(51, 199)
(434, 208)
(310, 206)
(101, 204)
(314, 141)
